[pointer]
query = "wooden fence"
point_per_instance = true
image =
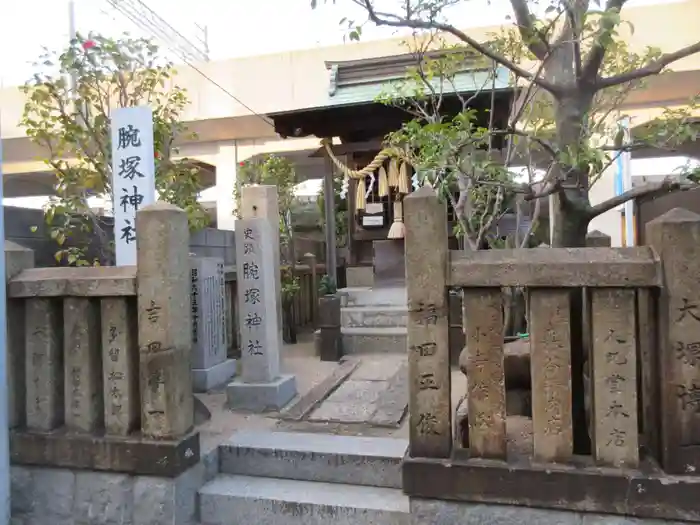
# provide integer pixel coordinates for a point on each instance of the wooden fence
(614, 362)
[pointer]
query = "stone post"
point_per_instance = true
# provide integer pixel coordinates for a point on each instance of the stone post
(43, 330)
(311, 258)
(82, 364)
(598, 239)
(17, 258)
(120, 357)
(594, 239)
(428, 347)
(675, 237)
(261, 387)
(164, 325)
(330, 339)
(614, 377)
(263, 202)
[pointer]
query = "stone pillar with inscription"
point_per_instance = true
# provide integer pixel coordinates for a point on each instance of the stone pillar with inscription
(675, 237)
(210, 365)
(261, 386)
(262, 201)
(428, 348)
(164, 322)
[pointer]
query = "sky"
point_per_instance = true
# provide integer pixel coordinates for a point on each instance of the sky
(235, 27)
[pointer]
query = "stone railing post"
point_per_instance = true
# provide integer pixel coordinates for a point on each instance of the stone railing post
(428, 348)
(17, 258)
(598, 239)
(164, 323)
(675, 236)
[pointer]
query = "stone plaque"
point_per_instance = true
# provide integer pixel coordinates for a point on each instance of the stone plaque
(208, 316)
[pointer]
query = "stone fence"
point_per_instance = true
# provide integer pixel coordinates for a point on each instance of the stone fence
(99, 357)
(614, 364)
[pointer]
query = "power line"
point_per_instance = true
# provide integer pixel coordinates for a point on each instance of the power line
(153, 28)
(145, 18)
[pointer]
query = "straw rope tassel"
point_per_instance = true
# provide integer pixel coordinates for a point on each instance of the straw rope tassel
(360, 199)
(398, 228)
(404, 179)
(383, 183)
(394, 172)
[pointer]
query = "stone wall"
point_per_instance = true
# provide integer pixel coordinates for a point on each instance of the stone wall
(52, 496)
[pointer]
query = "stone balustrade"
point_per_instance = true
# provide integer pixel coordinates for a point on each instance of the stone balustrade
(613, 359)
(99, 357)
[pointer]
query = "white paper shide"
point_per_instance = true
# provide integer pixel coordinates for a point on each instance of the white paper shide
(133, 175)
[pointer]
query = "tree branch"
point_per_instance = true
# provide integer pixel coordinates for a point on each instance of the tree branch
(646, 191)
(597, 52)
(375, 17)
(531, 37)
(651, 69)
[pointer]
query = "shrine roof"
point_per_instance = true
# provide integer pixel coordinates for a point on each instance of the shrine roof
(352, 109)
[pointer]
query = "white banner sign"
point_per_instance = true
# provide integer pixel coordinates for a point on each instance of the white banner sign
(133, 175)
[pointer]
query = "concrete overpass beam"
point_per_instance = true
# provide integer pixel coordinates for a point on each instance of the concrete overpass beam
(226, 168)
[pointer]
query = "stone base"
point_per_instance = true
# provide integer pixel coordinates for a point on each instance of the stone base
(50, 496)
(204, 379)
(359, 276)
(260, 397)
(132, 455)
(439, 512)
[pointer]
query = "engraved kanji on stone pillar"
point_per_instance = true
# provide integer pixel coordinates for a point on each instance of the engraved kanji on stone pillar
(120, 357)
(82, 360)
(550, 350)
(261, 386)
(164, 325)
(262, 202)
(675, 237)
(483, 360)
(44, 364)
(615, 377)
(428, 348)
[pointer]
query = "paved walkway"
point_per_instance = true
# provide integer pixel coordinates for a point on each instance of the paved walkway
(365, 395)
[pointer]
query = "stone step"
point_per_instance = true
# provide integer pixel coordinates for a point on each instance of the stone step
(374, 316)
(237, 500)
(370, 461)
(374, 340)
(373, 296)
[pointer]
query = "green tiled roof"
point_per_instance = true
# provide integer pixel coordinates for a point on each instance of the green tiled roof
(369, 88)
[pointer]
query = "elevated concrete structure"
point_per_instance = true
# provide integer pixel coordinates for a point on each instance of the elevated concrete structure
(229, 133)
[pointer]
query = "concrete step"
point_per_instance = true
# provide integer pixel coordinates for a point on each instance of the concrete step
(374, 316)
(370, 461)
(373, 296)
(239, 500)
(374, 340)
